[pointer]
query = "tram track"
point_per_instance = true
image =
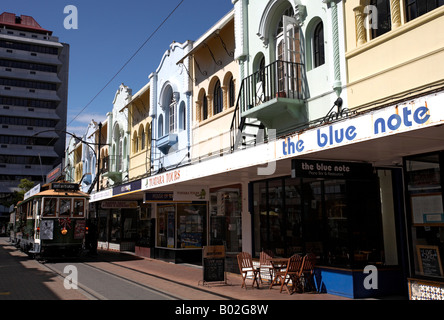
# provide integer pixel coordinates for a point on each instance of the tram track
(94, 295)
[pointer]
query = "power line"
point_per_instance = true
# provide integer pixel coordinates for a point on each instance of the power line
(128, 61)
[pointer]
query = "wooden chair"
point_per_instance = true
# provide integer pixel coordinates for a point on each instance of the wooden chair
(245, 267)
(292, 273)
(265, 264)
(308, 271)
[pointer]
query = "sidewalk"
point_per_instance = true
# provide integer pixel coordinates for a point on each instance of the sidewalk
(22, 278)
(191, 276)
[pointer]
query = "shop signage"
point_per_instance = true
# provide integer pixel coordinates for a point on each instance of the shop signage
(54, 174)
(429, 260)
(158, 196)
(110, 204)
(162, 179)
(330, 169)
(33, 191)
(190, 194)
(422, 112)
(179, 195)
(213, 263)
(101, 195)
(127, 187)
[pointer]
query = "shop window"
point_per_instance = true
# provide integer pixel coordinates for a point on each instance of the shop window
(49, 206)
(181, 226)
(226, 219)
(338, 220)
(416, 8)
(116, 227)
(424, 197)
(65, 207)
(144, 228)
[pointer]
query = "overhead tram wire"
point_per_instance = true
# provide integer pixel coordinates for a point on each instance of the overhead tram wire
(128, 61)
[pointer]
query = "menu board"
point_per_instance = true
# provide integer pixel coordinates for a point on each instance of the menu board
(429, 260)
(213, 263)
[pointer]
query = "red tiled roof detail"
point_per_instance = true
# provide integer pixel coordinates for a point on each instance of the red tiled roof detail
(23, 22)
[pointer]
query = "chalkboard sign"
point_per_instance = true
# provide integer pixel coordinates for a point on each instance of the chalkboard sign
(214, 270)
(213, 264)
(429, 261)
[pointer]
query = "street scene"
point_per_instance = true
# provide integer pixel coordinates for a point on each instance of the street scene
(222, 150)
(119, 276)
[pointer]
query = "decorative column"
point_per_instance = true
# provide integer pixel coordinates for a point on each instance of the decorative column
(395, 9)
(225, 97)
(198, 111)
(210, 105)
(361, 37)
(337, 83)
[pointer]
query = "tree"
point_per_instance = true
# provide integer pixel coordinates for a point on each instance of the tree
(24, 186)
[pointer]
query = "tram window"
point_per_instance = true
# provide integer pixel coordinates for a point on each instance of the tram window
(65, 207)
(79, 207)
(49, 207)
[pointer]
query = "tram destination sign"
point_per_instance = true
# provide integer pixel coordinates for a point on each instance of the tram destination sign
(65, 186)
(330, 169)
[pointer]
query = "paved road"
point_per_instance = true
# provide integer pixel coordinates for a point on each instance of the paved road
(103, 285)
(87, 278)
(22, 278)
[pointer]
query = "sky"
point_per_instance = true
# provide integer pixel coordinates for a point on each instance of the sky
(108, 34)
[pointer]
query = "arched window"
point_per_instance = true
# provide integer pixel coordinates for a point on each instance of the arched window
(416, 8)
(231, 93)
(182, 117)
(160, 126)
(172, 113)
(135, 142)
(318, 45)
(218, 100)
(204, 107)
(384, 18)
(142, 138)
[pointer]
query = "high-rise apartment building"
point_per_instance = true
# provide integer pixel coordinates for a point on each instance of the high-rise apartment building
(33, 100)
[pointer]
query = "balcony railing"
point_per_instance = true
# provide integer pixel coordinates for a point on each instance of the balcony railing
(277, 81)
(280, 79)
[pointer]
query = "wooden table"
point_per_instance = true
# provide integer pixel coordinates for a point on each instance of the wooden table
(278, 264)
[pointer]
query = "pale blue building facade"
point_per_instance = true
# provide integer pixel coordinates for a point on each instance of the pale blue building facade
(170, 110)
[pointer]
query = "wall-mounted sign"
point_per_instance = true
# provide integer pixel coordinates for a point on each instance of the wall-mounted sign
(158, 196)
(191, 194)
(118, 204)
(330, 169)
(33, 191)
(179, 195)
(420, 113)
(127, 187)
(54, 174)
